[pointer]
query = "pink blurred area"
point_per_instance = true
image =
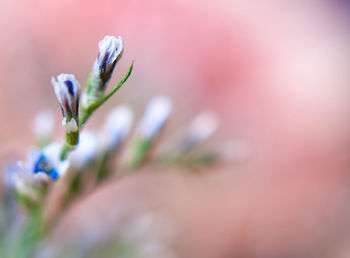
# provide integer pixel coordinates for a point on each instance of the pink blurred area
(276, 72)
(266, 67)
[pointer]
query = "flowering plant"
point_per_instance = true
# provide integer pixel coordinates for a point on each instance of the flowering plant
(54, 167)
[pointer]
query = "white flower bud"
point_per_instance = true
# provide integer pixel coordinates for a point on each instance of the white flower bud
(202, 127)
(67, 90)
(117, 126)
(155, 116)
(24, 183)
(110, 51)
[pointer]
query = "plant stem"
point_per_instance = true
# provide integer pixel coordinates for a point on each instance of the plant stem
(87, 111)
(141, 148)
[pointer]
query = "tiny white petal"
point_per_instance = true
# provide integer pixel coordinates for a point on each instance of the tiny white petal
(112, 46)
(69, 77)
(22, 181)
(41, 177)
(52, 152)
(71, 126)
(63, 167)
(25, 187)
(32, 158)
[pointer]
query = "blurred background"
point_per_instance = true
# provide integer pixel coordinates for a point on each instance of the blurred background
(275, 71)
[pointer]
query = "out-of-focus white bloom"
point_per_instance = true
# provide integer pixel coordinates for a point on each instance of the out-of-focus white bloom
(45, 165)
(88, 149)
(67, 90)
(43, 124)
(110, 51)
(28, 178)
(154, 117)
(19, 179)
(202, 127)
(117, 126)
(41, 166)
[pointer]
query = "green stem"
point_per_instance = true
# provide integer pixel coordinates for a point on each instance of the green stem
(141, 148)
(30, 235)
(103, 170)
(65, 151)
(74, 189)
(87, 111)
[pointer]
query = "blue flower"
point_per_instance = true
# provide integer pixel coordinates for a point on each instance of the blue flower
(46, 162)
(43, 165)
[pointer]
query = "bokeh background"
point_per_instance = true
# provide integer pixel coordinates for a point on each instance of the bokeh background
(275, 71)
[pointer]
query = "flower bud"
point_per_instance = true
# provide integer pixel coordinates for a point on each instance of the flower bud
(27, 189)
(117, 126)
(67, 90)
(154, 117)
(153, 120)
(202, 127)
(110, 51)
(30, 179)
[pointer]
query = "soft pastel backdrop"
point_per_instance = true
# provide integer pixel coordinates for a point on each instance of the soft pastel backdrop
(276, 73)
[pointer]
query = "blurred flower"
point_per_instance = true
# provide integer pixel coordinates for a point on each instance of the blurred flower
(67, 90)
(117, 126)
(46, 162)
(26, 187)
(43, 124)
(201, 128)
(153, 120)
(29, 180)
(88, 149)
(154, 117)
(39, 163)
(52, 152)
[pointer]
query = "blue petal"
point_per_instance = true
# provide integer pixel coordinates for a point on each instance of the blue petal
(54, 174)
(70, 87)
(43, 165)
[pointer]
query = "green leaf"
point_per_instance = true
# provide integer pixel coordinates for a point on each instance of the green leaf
(86, 112)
